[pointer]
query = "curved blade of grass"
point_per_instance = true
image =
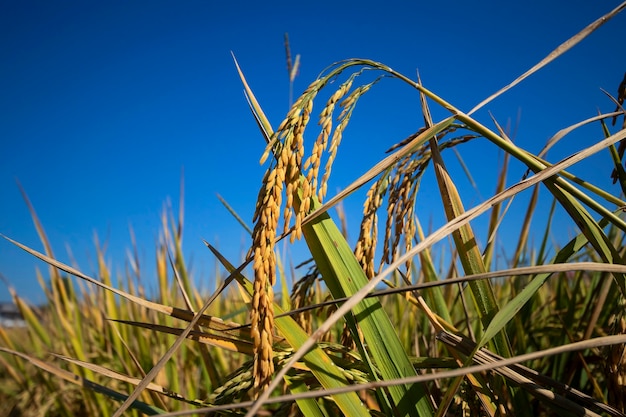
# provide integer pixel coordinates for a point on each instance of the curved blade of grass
(508, 311)
(560, 50)
(464, 238)
(469, 255)
(468, 252)
(109, 373)
(231, 344)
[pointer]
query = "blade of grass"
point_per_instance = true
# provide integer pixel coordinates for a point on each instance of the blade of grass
(469, 254)
(234, 214)
(134, 381)
(508, 311)
(464, 238)
(560, 50)
(344, 276)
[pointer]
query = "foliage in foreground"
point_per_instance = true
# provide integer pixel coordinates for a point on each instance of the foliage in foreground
(440, 340)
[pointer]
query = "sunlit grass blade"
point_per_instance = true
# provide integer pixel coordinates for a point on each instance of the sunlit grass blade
(224, 341)
(344, 277)
(208, 321)
(560, 50)
(469, 254)
(464, 238)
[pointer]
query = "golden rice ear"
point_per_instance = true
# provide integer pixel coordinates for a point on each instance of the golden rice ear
(264, 266)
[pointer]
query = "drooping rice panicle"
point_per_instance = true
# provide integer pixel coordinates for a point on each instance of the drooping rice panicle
(313, 163)
(302, 295)
(261, 309)
(347, 105)
(368, 235)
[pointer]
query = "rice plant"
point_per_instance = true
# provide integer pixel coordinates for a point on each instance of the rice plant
(374, 328)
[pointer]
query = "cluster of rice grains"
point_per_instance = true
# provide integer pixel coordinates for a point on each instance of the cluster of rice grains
(399, 185)
(302, 183)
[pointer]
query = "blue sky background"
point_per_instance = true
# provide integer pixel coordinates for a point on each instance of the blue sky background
(103, 104)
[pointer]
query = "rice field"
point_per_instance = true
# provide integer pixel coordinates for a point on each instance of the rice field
(385, 326)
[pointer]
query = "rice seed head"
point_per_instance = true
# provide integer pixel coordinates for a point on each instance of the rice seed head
(234, 387)
(264, 266)
(288, 174)
(287, 145)
(401, 187)
(368, 234)
(303, 294)
(348, 105)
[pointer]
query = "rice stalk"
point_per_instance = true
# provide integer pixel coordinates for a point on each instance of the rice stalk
(436, 236)
(323, 240)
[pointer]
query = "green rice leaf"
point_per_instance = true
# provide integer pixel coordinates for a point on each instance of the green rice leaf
(317, 360)
(344, 276)
(508, 311)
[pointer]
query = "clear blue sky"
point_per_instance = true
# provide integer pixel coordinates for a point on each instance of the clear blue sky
(102, 104)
